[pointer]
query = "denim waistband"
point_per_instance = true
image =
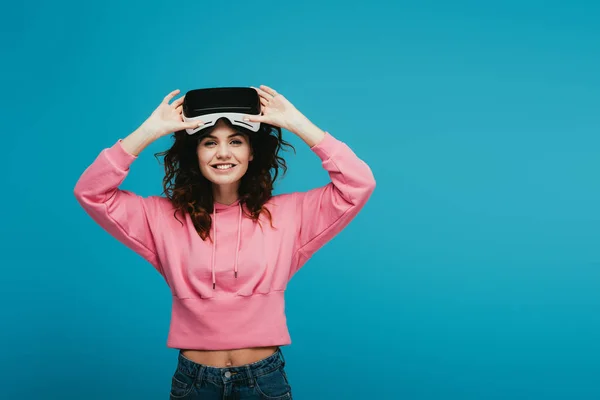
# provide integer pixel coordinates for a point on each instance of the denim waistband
(231, 374)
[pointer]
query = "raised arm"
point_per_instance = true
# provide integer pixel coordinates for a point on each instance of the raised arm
(323, 212)
(123, 214)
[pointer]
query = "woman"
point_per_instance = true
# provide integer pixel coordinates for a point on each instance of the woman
(223, 243)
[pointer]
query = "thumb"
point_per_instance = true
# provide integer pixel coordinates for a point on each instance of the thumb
(193, 124)
(255, 118)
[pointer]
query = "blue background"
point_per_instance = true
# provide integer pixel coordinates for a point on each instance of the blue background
(473, 272)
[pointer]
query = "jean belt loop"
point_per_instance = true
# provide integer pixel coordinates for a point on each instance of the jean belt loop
(250, 376)
(281, 356)
(199, 374)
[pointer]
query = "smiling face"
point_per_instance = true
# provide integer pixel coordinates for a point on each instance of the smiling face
(223, 156)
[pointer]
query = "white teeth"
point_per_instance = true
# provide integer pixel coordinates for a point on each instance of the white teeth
(225, 166)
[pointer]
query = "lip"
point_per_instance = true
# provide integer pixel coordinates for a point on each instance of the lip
(223, 171)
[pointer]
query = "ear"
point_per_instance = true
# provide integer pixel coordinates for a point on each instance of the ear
(251, 157)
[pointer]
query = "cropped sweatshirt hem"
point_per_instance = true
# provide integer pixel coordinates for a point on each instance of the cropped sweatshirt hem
(244, 321)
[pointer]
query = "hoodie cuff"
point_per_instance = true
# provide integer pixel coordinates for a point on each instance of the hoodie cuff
(119, 157)
(326, 147)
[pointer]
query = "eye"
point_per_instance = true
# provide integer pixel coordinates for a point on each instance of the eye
(236, 142)
(209, 143)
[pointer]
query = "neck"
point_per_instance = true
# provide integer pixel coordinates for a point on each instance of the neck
(225, 194)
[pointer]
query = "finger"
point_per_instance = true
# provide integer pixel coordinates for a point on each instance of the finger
(263, 102)
(179, 109)
(178, 102)
(263, 94)
(170, 96)
(270, 91)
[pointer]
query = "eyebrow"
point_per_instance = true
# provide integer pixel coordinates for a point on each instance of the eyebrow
(228, 137)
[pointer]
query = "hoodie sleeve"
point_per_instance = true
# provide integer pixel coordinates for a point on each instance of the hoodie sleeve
(123, 214)
(323, 212)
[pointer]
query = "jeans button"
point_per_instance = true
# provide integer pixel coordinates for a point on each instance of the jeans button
(227, 374)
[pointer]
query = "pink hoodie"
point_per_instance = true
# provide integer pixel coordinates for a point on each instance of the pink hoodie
(227, 293)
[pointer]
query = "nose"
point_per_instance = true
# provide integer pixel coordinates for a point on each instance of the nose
(223, 151)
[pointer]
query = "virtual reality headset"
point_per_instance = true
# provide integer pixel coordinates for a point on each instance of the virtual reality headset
(233, 103)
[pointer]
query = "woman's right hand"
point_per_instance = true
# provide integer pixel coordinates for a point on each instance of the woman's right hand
(168, 118)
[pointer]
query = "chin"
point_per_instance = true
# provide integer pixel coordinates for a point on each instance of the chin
(224, 180)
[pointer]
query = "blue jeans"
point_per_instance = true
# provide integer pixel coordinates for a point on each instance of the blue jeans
(262, 380)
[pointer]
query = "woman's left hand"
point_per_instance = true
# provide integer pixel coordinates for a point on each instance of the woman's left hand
(277, 110)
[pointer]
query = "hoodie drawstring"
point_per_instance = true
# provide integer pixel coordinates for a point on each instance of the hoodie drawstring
(214, 250)
(214, 223)
(237, 248)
